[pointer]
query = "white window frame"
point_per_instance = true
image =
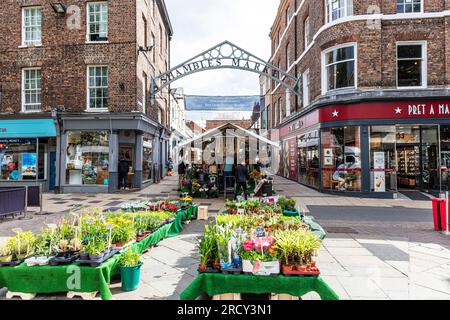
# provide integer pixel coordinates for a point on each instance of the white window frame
(306, 88)
(24, 109)
(30, 43)
(347, 12)
(424, 68)
(88, 100)
(88, 38)
(289, 61)
(406, 13)
(324, 66)
(307, 31)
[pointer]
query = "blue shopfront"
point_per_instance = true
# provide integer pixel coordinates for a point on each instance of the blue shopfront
(28, 153)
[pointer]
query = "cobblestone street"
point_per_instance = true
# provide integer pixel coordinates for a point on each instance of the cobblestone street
(375, 249)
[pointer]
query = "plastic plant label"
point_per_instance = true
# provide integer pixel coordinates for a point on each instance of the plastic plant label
(260, 232)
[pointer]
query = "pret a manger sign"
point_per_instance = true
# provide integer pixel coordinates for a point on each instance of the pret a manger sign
(428, 109)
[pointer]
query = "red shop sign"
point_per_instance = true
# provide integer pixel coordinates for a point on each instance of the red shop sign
(386, 110)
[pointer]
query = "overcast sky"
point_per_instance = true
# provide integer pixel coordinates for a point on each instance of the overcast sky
(201, 24)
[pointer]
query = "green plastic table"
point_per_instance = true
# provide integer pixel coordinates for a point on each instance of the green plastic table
(216, 283)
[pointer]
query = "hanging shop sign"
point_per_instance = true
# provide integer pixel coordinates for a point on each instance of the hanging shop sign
(386, 110)
(220, 103)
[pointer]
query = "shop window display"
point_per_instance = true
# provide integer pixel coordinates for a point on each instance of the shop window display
(308, 159)
(445, 157)
(341, 159)
(147, 162)
(87, 158)
(18, 159)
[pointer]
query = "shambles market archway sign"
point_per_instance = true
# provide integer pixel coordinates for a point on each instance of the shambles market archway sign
(224, 56)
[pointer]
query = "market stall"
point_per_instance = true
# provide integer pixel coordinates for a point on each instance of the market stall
(253, 248)
(81, 253)
(211, 160)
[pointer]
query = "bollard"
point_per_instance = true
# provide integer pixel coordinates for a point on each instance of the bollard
(447, 231)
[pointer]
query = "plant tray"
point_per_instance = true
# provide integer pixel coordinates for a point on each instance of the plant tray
(13, 263)
(144, 236)
(208, 270)
(125, 246)
(302, 274)
(297, 272)
(63, 259)
(38, 261)
(95, 264)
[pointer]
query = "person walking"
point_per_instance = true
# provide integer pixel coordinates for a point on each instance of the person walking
(241, 179)
(124, 168)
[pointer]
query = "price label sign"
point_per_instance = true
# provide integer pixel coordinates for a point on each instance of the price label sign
(260, 232)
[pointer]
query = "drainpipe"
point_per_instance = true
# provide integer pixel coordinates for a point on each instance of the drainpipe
(56, 115)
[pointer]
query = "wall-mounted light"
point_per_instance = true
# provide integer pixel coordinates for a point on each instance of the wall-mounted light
(122, 85)
(59, 8)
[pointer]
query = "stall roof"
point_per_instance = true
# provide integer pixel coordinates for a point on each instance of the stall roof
(212, 131)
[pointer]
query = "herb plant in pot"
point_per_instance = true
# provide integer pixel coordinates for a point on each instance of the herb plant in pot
(207, 248)
(5, 255)
(21, 246)
(130, 270)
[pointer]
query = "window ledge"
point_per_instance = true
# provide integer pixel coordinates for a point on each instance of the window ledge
(30, 46)
(412, 88)
(96, 42)
(31, 111)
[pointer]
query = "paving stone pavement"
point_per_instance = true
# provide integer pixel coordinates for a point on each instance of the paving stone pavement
(392, 252)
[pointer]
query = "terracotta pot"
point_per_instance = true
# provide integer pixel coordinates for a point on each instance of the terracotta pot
(202, 267)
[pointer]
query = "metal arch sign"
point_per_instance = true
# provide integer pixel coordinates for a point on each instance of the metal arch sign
(224, 56)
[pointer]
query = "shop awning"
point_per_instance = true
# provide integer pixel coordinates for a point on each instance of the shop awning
(27, 128)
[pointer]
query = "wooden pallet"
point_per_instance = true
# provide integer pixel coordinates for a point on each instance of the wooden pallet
(82, 295)
(284, 297)
(228, 296)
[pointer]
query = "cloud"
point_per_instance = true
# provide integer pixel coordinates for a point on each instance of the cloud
(201, 24)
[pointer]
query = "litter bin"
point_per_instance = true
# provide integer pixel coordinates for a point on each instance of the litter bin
(439, 214)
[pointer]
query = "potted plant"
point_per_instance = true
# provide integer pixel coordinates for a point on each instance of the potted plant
(5, 255)
(21, 246)
(207, 248)
(224, 235)
(44, 248)
(297, 248)
(123, 231)
(130, 270)
(97, 251)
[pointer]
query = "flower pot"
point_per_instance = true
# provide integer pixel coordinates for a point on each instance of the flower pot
(84, 256)
(96, 257)
(22, 256)
(130, 277)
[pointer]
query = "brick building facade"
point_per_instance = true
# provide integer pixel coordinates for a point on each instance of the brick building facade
(374, 79)
(83, 69)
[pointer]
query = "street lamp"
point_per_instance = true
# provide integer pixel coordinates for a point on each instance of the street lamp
(59, 8)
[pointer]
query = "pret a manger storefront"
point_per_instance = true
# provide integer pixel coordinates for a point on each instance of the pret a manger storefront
(370, 147)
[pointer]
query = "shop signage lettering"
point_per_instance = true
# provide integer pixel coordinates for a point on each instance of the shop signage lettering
(423, 109)
(296, 125)
(3, 130)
